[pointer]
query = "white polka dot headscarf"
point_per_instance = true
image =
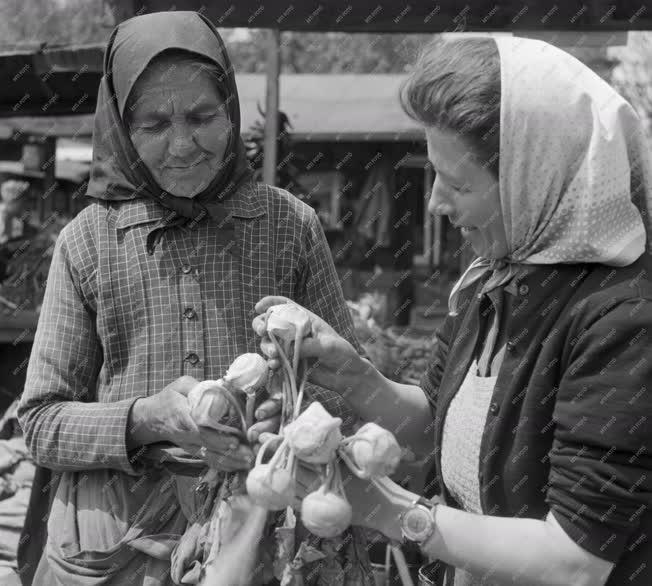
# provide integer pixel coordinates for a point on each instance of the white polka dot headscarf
(575, 173)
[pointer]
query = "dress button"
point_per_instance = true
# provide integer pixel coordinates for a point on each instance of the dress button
(523, 290)
(186, 268)
(192, 358)
(189, 313)
(494, 408)
(511, 346)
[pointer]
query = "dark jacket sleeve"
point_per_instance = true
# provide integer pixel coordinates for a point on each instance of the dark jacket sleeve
(431, 379)
(601, 459)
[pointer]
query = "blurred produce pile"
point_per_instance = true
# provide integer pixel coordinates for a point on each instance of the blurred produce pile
(16, 474)
(399, 356)
(24, 264)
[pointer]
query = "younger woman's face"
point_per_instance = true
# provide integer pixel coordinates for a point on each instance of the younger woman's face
(467, 192)
(179, 125)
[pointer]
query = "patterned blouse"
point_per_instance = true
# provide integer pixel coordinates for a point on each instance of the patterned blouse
(117, 324)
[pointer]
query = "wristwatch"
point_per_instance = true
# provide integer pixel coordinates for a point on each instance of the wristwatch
(417, 522)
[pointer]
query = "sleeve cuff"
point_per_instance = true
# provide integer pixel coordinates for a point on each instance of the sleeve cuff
(595, 538)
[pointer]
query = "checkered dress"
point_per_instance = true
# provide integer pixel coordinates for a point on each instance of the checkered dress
(117, 324)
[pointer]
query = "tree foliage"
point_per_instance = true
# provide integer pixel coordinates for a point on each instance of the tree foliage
(633, 75)
(326, 52)
(58, 22)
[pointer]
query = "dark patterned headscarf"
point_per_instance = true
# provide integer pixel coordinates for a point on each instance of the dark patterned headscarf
(117, 172)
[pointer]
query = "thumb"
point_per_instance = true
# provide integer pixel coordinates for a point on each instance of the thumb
(183, 384)
(314, 348)
(266, 302)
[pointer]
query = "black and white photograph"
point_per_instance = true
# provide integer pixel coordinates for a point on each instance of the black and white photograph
(325, 293)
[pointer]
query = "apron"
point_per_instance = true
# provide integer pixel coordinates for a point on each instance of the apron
(460, 452)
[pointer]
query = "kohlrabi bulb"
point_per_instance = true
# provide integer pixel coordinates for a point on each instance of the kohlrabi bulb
(374, 450)
(247, 373)
(314, 435)
(208, 404)
(284, 321)
(272, 488)
(325, 513)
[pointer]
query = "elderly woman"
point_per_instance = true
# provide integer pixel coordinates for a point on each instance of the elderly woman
(537, 395)
(151, 289)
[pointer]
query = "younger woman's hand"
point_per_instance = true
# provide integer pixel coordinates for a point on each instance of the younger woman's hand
(372, 507)
(332, 359)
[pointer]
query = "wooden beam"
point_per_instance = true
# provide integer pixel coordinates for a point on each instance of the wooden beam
(272, 106)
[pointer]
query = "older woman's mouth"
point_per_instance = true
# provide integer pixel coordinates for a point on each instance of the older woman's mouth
(181, 168)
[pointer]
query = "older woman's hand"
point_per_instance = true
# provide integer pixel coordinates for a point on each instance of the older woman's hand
(333, 360)
(165, 417)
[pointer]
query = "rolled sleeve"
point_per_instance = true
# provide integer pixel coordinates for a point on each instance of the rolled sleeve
(431, 378)
(601, 459)
(65, 429)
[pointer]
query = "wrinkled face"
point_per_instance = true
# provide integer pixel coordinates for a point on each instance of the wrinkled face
(179, 125)
(466, 192)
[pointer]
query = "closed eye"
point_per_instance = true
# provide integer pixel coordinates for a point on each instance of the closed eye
(202, 118)
(155, 127)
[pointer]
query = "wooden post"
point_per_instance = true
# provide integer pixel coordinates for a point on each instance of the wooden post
(336, 200)
(271, 106)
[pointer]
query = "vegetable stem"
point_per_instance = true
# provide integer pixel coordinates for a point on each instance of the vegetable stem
(236, 405)
(351, 464)
(304, 378)
(298, 336)
(263, 449)
(288, 370)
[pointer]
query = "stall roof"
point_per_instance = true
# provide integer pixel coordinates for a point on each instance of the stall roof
(63, 81)
(424, 16)
(320, 107)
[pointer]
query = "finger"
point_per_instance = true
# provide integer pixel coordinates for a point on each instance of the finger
(268, 348)
(266, 436)
(225, 463)
(274, 363)
(271, 425)
(266, 302)
(268, 408)
(316, 347)
(218, 442)
(259, 324)
(273, 446)
(183, 384)
(240, 459)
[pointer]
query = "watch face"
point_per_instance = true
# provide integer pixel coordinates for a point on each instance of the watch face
(418, 524)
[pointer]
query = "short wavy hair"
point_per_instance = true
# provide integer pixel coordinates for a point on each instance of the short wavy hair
(455, 86)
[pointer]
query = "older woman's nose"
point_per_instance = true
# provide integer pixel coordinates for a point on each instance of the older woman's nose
(181, 144)
(439, 204)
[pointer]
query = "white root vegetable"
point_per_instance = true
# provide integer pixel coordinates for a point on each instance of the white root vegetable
(247, 373)
(272, 485)
(209, 403)
(372, 452)
(287, 321)
(327, 512)
(271, 488)
(315, 435)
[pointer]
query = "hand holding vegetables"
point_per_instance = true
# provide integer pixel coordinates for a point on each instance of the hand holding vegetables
(312, 437)
(337, 358)
(165, 417)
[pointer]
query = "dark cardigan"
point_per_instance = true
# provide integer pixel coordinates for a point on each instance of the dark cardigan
(569, 428)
